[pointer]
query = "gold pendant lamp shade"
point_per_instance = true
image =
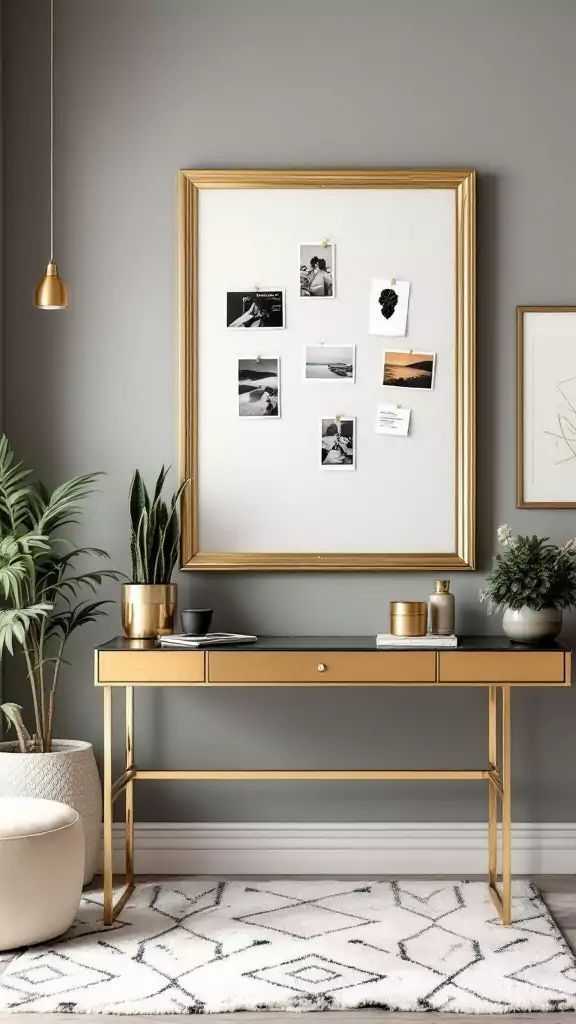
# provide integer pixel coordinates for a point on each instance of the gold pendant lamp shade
(51, 292)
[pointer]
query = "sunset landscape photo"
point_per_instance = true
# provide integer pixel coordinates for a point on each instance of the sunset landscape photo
(409, 369)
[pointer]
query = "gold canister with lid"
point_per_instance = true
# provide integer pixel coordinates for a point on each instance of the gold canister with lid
(408, 618)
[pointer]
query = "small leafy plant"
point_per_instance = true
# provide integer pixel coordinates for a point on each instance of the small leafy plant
(531, 573)
(155, 534)
(41, 588)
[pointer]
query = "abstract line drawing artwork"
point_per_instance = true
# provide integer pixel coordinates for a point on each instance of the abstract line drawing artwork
(566, 436)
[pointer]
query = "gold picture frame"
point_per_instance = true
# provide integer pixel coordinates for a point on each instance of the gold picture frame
(521, 499)
(463, 184)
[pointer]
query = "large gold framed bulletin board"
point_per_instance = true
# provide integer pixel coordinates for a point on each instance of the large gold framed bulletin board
(327, 369)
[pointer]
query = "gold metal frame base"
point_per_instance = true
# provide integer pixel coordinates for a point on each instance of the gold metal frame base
(499, 788)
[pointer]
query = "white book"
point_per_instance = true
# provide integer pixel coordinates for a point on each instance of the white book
(430, 640)
(207, 640)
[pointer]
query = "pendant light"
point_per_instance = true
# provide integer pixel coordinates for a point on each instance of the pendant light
(51, 291)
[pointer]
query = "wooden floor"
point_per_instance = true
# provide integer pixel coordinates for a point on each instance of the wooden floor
(559, 892)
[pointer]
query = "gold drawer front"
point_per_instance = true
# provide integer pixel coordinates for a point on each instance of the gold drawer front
(315, 667)
(180, 667)
(504, 667)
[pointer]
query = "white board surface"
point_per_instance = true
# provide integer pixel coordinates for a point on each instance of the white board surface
(259, 484)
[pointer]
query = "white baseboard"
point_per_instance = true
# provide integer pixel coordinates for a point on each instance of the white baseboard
(329, 848)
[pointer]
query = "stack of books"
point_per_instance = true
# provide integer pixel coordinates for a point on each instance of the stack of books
(430, 640)
(192, 640)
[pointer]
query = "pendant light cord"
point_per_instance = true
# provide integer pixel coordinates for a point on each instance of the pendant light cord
(51, 130)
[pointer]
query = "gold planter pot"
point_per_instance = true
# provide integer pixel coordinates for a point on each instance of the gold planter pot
(148, 609)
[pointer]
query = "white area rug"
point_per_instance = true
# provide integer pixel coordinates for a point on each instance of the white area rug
(191, 946)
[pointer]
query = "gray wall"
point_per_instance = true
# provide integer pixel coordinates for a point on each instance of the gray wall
(145, 87)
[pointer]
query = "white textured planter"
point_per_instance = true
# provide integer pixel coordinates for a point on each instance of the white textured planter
(69, 774)
(529, 627)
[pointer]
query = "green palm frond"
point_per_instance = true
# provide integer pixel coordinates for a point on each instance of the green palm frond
(16, 622)
(61, 507)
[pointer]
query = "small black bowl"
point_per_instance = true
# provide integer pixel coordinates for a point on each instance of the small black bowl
(196, 620)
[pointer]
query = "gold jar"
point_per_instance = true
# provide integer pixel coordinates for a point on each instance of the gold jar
(148, 609)
(408, 618)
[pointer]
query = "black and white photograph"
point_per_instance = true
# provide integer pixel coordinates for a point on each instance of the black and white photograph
(330, 363)
(389, 307)
(259, 387)
(317, 270)
(337, 449)
(255, 309)
(408, 369)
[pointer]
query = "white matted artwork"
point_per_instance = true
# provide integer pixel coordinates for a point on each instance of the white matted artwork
(331, 363)
(317, 270)
(300, 518)
(388, 312)
(337, 443)
(407, 368)
(546, 476)
(259, 387)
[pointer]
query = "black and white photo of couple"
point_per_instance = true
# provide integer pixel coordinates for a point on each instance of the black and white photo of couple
(337, 450)
(317, 270)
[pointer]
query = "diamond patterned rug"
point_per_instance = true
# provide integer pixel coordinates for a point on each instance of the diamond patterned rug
(191, 946)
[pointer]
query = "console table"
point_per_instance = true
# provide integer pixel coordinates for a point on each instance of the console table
(493, 662)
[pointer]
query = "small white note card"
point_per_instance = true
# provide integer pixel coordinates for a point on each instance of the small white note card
(392, 419)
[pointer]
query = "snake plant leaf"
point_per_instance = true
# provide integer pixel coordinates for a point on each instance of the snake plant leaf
(138, 499)
(160, 483)
(142, 548)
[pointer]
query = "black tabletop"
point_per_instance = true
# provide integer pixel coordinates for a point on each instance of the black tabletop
(497, 642)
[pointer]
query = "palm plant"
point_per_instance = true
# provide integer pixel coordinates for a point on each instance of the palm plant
(41, 586)
(154, 535)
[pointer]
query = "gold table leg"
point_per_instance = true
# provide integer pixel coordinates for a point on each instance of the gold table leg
(108, 806)
(129, 767)
(492, 794)
(506, 808)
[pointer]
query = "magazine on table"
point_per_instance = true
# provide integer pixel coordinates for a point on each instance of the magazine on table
(429, 640)
(206, 640)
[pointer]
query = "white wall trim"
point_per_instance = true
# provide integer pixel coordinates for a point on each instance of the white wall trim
(329, 848)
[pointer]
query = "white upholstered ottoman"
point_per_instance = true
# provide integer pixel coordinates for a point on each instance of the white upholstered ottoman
(41, 869)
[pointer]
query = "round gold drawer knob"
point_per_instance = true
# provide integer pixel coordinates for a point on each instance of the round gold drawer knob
(321, 667)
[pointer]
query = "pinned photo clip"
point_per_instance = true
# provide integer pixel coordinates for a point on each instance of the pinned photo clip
(392, 282)
(338, 417)
(324, 243)
(258, 358)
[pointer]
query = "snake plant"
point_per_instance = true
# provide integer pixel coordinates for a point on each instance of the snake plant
(155, 533)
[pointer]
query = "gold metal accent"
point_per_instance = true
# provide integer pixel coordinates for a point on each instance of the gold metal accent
(520, 500)
(463, 184)
(51, 292)
(310, 775)
(492, 794)
(108, 806)
(148, 609)
(321, 667)
(506, 807)
(131, 773)
(408, 618)
(442, 586)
